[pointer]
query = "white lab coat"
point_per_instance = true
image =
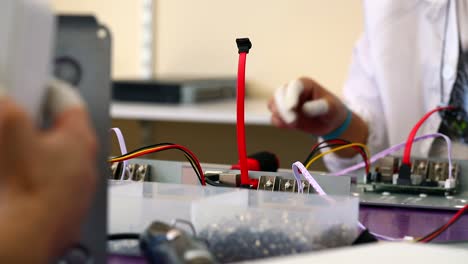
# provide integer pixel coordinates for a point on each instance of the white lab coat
(394, 77)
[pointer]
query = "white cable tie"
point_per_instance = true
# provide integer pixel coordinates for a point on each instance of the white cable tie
(316, 107)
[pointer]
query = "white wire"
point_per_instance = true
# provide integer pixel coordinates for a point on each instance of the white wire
(299, 168)
(400, 146)
(374, 158)
(123, 149)
(379, 236)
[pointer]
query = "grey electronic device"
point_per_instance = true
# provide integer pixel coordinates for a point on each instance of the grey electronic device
(180, 172)
(174, 90)
(83, 58)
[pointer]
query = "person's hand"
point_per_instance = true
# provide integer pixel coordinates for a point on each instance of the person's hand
(47, 180)
(305, 105)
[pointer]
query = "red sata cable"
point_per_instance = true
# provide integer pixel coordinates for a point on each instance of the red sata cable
(412, 135)
(244, 46)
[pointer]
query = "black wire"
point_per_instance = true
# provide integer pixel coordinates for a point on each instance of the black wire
(194, 167)
(215, 183)
(438, 230)
(213, 180)
(430, 234)
(313, 151)
(337, 145)
(147, 147)
(318, 148)
(186, 154)
(123, 236)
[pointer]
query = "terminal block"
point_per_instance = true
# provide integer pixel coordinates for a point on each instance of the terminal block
(426, 176)
(277, 183)
(134, 172)
(268, 183)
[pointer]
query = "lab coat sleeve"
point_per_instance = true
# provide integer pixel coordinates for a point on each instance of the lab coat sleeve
(362, 96)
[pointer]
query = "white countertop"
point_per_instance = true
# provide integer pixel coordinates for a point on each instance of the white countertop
(382, 253)
(224, 112)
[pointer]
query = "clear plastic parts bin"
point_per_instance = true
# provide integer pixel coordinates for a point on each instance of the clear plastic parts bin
(133, 206)
(252, 224)
(237, 224)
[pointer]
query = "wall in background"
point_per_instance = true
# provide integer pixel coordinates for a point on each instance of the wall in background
(290, 39)
(123, 17)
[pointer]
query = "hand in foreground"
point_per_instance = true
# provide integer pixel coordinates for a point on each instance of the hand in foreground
(47, 180)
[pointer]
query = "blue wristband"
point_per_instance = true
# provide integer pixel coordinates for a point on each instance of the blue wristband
(341, 129)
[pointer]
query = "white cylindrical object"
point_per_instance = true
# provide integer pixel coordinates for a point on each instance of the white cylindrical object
(61, 96)
(316, 107)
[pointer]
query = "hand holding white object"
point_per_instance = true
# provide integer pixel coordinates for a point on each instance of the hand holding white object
(305, 105)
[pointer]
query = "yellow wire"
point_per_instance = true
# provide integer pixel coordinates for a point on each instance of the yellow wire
(336, 149)
(129, 156)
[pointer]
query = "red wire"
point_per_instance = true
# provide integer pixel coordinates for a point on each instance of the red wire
(409, 141)
(358, 149)
(447, 225)
(175, 146)
(241, 145)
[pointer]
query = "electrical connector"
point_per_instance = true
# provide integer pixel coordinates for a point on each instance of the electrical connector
(244, 45)
(230, 179)
(404, 175)
(223, 179)
(450, 184)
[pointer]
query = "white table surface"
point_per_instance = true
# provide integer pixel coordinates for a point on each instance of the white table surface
(223, 112)
(381, 253)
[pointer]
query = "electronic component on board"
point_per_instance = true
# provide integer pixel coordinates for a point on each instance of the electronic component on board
(426, 176)
(387, 168)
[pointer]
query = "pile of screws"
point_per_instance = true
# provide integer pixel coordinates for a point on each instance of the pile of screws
(252, 236)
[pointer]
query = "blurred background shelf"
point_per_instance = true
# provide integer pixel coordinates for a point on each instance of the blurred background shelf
(219, 112)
